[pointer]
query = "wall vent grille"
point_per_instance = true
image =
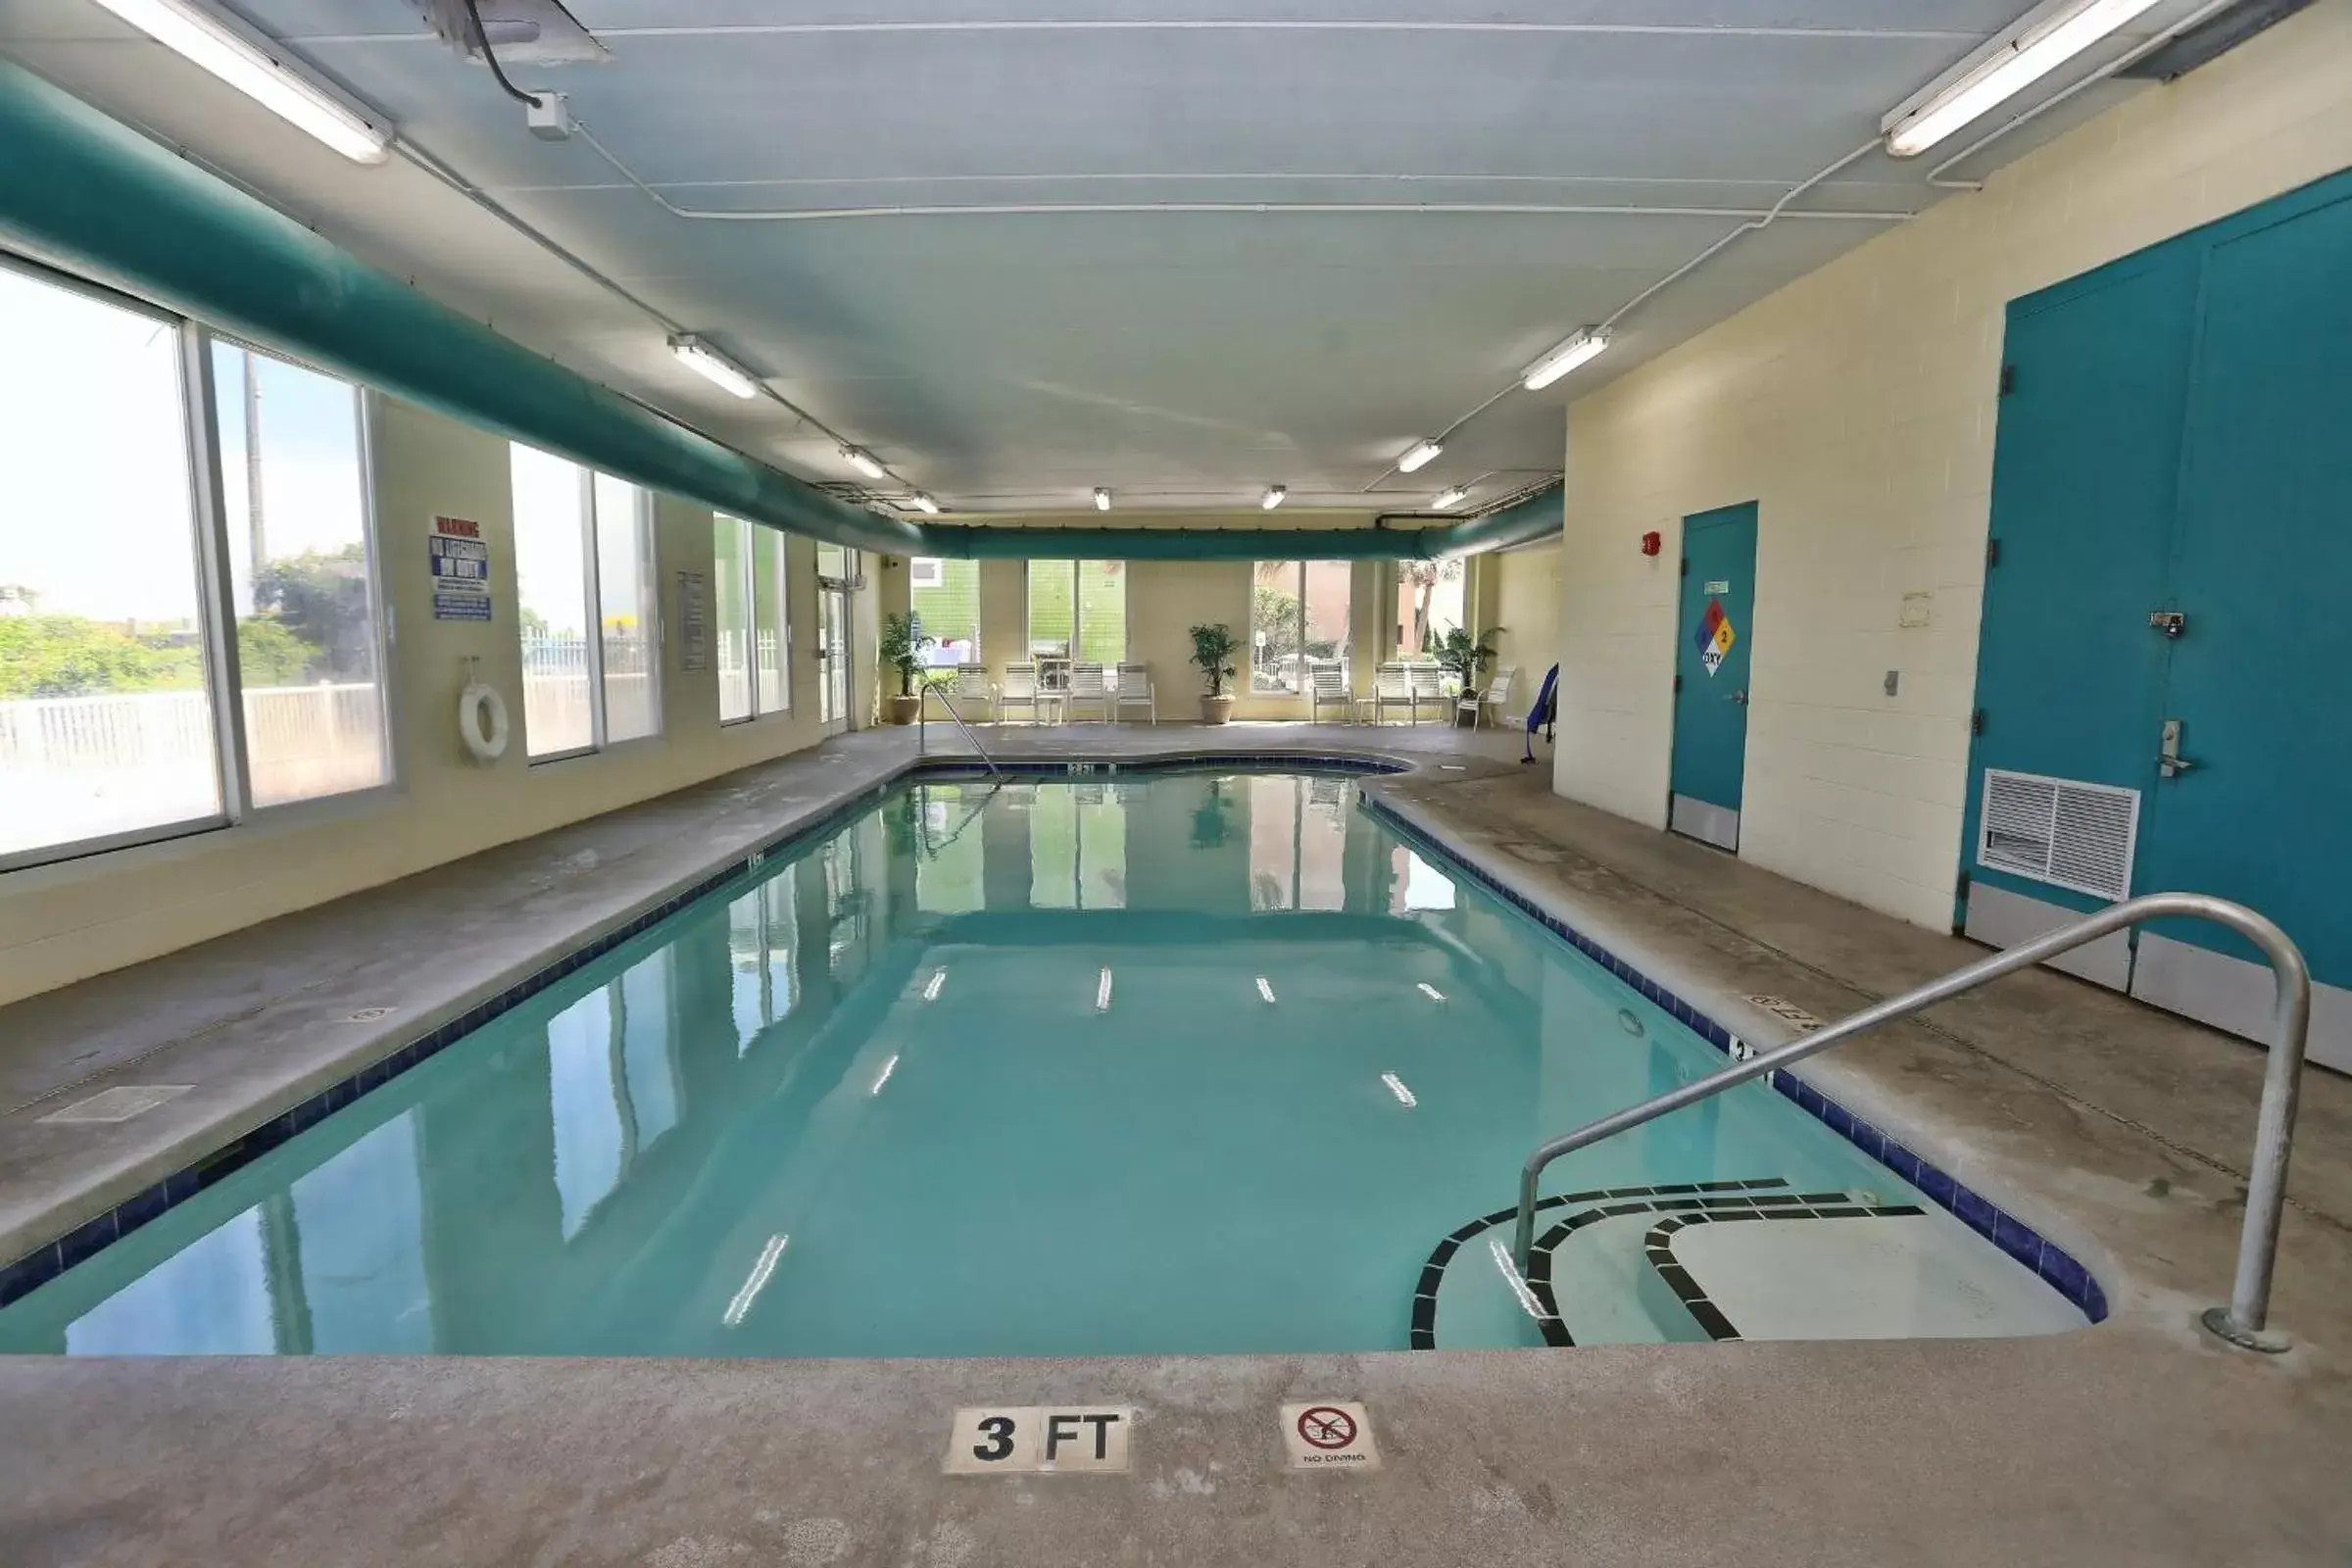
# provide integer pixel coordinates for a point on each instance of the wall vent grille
(2061, 831)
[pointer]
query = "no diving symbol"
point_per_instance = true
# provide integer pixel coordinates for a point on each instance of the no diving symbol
(1326, 1428)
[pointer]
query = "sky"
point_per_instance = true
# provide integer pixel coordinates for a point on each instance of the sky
(94, 489)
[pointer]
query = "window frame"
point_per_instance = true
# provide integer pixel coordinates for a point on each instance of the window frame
(216, 591)
(749, 588)
(205, 422)
(592, 609)
(1077, 609)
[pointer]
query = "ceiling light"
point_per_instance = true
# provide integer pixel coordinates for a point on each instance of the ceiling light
(863, 462)
(1453, 495)
(230, 52)
(757, 1281)
(1101, 498)
(922, 500)
(2030, 51)
(888, 1067)
(1274, 496)
(707, 362)
(1420, 455)
(1396, 1087)
(1584, 346)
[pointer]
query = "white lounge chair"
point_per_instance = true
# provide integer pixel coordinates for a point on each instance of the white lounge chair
(968, 686)
(1427, 683)
(1391, 687)
(1019, 690)
(1329, 689)
(1498, 692)
(1086, 686)
(1134, 690)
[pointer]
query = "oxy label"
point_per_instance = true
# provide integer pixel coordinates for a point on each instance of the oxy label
(1330, 1435)
(1045, 1439)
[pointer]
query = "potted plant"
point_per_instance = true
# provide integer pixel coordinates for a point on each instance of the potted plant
(1212, 652)
(902, 645)
(1463, 656)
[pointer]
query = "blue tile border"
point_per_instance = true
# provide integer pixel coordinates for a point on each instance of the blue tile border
(2054, 1264)
(52, 1258)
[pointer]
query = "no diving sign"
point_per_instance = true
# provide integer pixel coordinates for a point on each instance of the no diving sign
(1329, 1435)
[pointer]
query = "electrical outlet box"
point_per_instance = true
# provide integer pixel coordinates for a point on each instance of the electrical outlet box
(550, 119)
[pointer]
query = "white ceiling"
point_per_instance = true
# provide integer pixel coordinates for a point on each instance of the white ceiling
(1012, 361)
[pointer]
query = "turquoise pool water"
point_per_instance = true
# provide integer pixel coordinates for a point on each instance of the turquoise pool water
(1193, 1063)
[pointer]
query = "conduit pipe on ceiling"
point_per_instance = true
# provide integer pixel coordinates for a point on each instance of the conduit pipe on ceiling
(90, 194)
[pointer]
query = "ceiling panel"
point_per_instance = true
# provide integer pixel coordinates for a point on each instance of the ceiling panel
(1011, 358)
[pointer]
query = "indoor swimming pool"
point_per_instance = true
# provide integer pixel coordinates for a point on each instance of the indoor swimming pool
(1200, 1061)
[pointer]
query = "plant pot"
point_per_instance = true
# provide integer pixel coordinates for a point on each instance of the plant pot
(903, 709)
(1216, 709)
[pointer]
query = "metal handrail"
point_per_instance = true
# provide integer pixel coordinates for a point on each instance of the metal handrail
(2242, 1321)
(922, 733)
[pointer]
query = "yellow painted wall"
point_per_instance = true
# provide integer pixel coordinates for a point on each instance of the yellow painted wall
(1523, 597)
(1856, 407)
(66, 921)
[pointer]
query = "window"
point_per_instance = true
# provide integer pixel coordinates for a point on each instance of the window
(1078, 847)
(583, 559)
(754, 640)
(294, 503)
(1299, 622)
(1053, 608)
(1429, 603)
(107, 721)
(1078, 610)
(944, 596)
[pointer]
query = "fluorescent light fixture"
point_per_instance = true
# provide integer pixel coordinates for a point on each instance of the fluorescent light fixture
(863, 462)
(1420, 455)
(1274, 497)
(1265, 988)
(740, 1307)
(1432, 992)
(923, 502)
(1101, 498)
(707, 362)
(883, 1077)
(939, 977)
(1103, 993)
(1453, 495)
(243, 59)
(2039, 44)
(1577, 350)
(1404, 1096)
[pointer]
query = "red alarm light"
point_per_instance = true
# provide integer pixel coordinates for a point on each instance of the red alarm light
(1652, 541)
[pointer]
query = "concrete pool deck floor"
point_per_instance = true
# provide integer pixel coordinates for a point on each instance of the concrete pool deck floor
(2120, 1133)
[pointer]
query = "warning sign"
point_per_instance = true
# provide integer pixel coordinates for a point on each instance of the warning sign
(1714, 637)
(1044, 1439)
(460, 563)
(1328, 1435)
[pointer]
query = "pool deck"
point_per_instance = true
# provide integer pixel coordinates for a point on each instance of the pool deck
(2119, 1132)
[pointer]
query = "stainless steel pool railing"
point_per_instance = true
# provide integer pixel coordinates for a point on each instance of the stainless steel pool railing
(2244, 1321)
(923, 732)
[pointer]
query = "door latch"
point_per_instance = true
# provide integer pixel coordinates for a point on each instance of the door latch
(2170, 763)
(2171, 622)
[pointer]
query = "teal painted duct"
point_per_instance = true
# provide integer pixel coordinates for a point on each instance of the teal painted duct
(93, 195)
(90, 194)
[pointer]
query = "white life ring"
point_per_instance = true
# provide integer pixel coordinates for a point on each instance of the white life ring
(483, 721)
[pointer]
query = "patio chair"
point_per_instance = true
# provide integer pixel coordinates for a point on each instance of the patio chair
(1134, 690)
(1329, 689)
(1498, 692)
(1086, 686)
(1391, 687)
(1019, 690)
(1427, 683)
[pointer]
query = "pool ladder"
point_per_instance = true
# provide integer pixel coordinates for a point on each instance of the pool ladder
(922, 731)
(2242, 1322)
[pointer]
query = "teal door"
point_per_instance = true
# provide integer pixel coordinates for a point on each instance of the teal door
(1710, 673)
(2162, 705)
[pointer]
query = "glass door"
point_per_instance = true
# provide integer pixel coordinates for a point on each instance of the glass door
(836, 568)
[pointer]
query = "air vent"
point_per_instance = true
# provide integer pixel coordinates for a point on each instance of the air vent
(2060, 831)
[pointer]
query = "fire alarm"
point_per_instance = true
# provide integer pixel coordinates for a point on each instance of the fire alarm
(1652, 541)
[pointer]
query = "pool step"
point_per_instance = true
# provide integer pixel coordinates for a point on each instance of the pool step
(1723, 1260)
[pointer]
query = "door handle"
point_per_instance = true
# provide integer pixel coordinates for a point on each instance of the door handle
(1740, 697)
(2170, 763)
